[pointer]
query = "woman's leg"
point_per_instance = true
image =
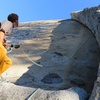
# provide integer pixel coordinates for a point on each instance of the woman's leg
(5, 61)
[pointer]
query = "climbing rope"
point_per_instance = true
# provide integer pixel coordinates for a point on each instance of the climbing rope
(30, 58)
(79, 48)
(32, 94)
(9, 49)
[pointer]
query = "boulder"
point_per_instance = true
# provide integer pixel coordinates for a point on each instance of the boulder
(9, 91)
(90, 17)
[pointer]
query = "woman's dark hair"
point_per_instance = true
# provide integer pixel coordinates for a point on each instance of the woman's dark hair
(12, 17)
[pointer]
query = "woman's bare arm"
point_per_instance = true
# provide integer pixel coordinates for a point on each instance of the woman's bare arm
(6, 44)
(2, 36)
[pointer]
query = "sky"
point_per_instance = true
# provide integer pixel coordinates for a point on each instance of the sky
(35, 10)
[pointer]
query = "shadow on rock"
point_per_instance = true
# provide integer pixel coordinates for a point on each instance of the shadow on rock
(70, 61)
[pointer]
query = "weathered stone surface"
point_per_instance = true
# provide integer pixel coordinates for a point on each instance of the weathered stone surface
(10, 91)
(73, 93)
(90, 17)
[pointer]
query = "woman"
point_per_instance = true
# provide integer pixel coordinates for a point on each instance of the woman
(5, 31)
